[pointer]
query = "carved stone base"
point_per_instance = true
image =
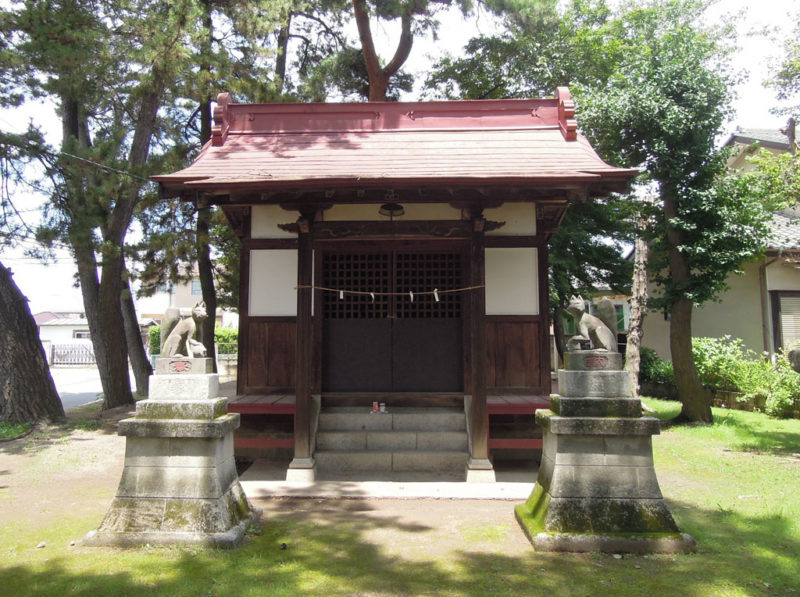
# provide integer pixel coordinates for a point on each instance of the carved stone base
(597, 488)
(179, 483)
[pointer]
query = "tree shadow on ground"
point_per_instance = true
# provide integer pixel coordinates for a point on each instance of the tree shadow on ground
(43, 435)
(331, 548)
(755, 438)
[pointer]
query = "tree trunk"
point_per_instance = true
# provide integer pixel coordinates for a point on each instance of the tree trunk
(696, 405)
(142, 370)
(282, 54)
(638, 306)
(206, 271)
(379, 76)
(27, 391)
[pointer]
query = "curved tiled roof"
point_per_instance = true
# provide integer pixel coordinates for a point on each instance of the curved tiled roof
(495, 142)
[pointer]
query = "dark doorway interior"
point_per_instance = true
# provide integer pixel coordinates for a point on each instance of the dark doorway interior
(389, 342)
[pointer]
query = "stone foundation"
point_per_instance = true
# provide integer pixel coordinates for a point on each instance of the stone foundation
(597, 488)
(179, 484)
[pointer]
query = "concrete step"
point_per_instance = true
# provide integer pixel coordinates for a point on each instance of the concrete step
(397, 461)
(391, 440)
(397, 419)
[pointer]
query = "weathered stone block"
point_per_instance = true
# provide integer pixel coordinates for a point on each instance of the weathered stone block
(184, 366)
(182, 409)
(592, 360)
(603, 481)
(176, 482)
(341, 440)
(184, 387)
(595, 407)
(179, 428)
(443, 440)
(396, 440)
(602, 384)
(597, 425)
(428, 461)
(597, 488)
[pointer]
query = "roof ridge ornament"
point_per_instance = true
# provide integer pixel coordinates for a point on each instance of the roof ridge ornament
(566, 114)
(221, 121)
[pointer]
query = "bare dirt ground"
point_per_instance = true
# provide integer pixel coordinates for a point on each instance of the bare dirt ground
(76, 468)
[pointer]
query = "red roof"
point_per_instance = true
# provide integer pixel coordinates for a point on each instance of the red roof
(469, 143)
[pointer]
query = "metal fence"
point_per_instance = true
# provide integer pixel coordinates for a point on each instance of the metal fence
(72, 354)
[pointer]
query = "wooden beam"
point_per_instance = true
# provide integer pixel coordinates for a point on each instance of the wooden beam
(544, 327)
(478, 417)
(304, 348)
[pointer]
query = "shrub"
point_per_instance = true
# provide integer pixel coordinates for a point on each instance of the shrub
(720, 362)
(155, 339)
(227, 338)
(725, 364)
(653, 369)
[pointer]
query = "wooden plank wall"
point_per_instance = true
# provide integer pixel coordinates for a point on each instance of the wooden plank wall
(270, 354)
(514, 347)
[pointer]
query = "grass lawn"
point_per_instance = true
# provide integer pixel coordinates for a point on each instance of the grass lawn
(734, 486)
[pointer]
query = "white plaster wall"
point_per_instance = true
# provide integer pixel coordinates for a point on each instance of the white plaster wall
(738, 315)
(512, 281)
(783, 276)
(519, 218)
(369, 213)
(273, 278)
(264, 220)
(60, 333)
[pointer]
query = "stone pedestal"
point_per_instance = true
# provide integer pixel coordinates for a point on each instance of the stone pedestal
(179, 484)
(597, 488)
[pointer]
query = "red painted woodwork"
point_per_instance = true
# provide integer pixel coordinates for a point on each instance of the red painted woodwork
(395, 144)
(514, 405)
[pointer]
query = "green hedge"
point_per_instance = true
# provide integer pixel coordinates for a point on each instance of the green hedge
(724, 364)
(226, 338)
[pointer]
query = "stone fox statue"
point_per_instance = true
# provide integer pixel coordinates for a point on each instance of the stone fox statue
(589, 327)
(181, 326)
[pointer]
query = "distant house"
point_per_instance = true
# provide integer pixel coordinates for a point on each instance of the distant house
(66, 337)
(762, 307)
(182, 295)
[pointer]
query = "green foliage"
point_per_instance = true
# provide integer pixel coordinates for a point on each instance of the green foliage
(787, 80)
(155, 339)
(10, 431)
(227, 338)
(725, 364)
(653, 369)
(775, 180)
(662, 111)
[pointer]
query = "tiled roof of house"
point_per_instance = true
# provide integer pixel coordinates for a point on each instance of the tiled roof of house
(765, 137)
(471, 143)
(785, 232)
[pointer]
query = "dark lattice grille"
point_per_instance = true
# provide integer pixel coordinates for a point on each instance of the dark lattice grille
(356, 272)
(422, 272)
(396, 273)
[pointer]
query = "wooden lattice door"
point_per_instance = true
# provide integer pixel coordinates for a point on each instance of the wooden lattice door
(390, 342)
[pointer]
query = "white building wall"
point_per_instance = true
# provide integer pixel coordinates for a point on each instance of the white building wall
(782, 275)
(264, 220)
(512, 286)
(519, 218)
(59, 334)
(738, 315)
(273, 278)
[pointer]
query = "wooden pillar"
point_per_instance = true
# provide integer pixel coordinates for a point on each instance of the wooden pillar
(479, 467)
(545, 346)
(304, 348)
